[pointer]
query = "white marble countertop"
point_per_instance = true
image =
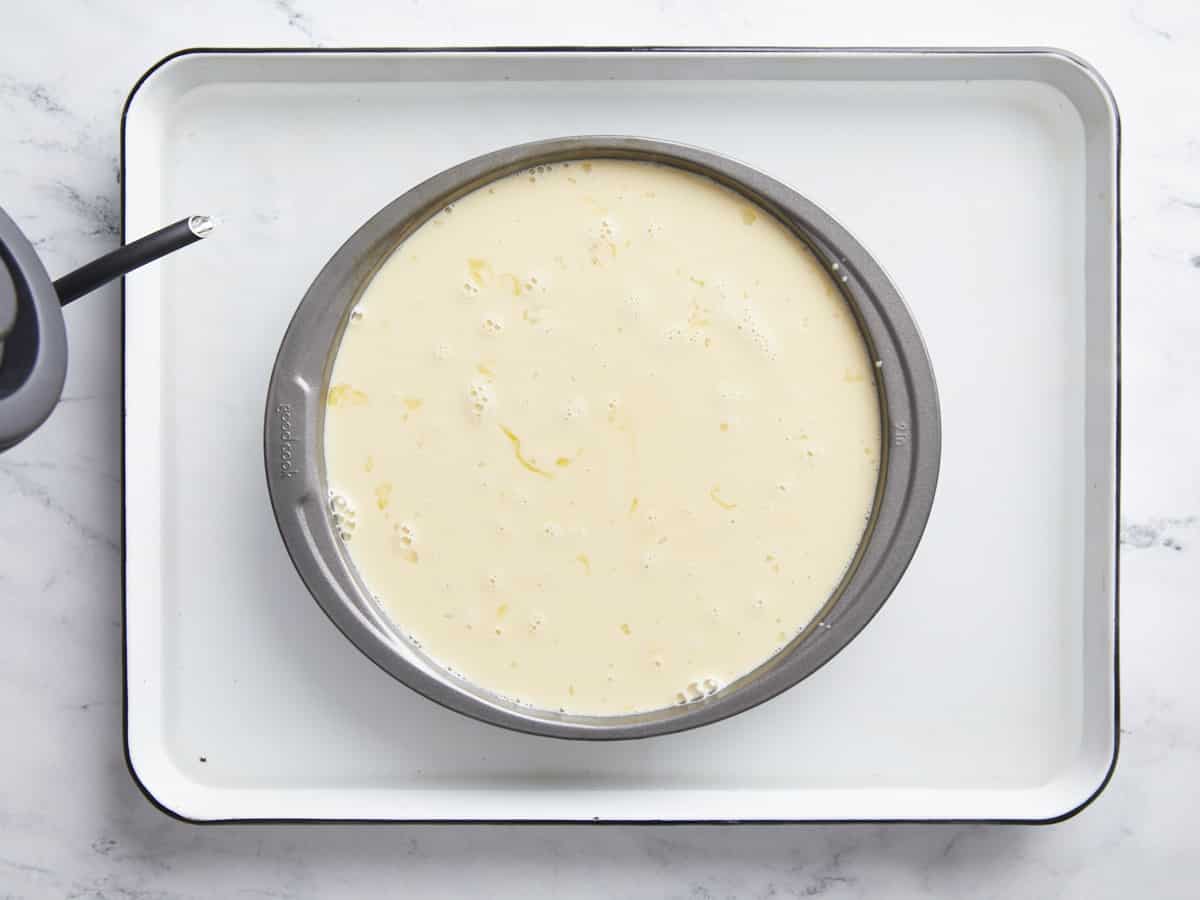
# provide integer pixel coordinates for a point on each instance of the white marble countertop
(72, 823)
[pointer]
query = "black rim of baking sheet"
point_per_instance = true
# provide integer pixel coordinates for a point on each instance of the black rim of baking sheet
(1088, 70)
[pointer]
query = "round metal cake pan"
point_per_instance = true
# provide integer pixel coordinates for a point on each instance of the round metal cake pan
(295, 460)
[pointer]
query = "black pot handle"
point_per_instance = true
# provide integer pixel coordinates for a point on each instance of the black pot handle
(33, 339)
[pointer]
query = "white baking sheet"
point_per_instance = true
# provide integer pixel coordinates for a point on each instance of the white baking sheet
(984, 182)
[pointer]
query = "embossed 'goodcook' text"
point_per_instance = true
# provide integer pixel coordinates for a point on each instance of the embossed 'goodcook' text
(288, 453)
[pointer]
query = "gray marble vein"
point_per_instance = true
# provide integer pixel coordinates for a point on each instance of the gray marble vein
(98, 211)
(297, 20)
(36, 96)
(35, 491)
(1137, 15)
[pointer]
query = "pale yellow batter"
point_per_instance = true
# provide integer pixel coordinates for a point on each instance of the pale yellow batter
(602, 436)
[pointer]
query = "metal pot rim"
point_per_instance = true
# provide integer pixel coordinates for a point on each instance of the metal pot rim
(294, 451)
